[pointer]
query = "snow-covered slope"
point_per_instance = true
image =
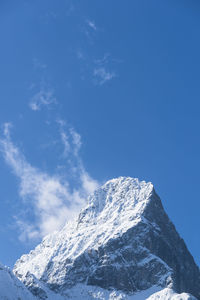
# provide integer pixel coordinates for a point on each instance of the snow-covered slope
(168, 294)
(122, 242)
(11, 288)
(154, 293)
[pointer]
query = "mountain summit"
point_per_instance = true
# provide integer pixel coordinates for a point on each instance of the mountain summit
(121, 245)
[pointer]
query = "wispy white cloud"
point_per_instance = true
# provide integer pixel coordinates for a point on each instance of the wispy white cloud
(44, 97)
(65, 141)
(76, 140)
(89, 29)
(52, 199)
(6, 129)
(104, 60)
(102, 75)
(71, 139)
(91, 24)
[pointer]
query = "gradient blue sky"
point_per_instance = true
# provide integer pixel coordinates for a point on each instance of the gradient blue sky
(91, 90)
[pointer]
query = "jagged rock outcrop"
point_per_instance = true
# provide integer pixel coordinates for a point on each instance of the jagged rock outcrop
(123, 241)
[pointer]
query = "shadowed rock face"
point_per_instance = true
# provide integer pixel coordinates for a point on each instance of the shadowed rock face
(123, 240)
(171, 248)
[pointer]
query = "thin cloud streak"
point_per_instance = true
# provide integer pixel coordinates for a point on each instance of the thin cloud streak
(45, 97)
(71, 139)
(91, 24)
(54, 201)
(102, 75)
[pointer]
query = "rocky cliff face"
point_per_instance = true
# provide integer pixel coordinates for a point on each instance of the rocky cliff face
(122, 241)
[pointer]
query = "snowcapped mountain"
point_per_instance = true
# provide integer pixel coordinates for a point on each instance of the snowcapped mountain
(122, 246)
(12, 288)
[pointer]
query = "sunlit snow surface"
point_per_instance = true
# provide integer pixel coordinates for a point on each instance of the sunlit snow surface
(89, 293)
(11, 288)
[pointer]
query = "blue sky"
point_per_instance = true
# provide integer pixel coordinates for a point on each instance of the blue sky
(91, 90)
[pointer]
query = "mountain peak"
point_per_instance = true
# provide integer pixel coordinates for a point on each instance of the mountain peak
(118, 198)
(122, 240)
